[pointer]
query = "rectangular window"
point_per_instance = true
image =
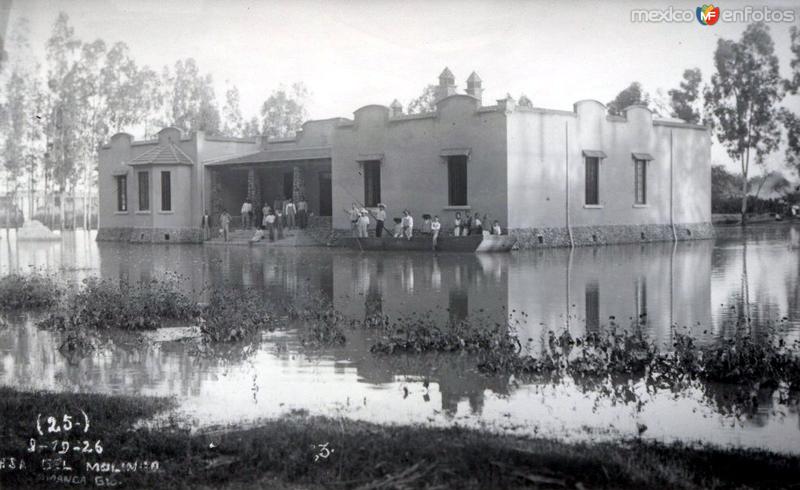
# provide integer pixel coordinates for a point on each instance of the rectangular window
(457, 180)
(592, 181)
(641, 181)
(372, 183)
(166, 192)
(122, 193)
(144, 191)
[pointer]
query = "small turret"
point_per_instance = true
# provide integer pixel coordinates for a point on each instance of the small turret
(474, 86)
(396, 109)
(447, 84)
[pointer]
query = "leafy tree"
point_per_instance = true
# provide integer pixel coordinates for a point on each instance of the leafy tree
(122, 88)
(632, 94)
(791, 123)
(189, 98)
(284, 112)
(62, 49)
(426, 102)
(742, 98)
(91, 114)
(252, 128)
(233, 123)
(660, 104)
(684, 99)
(770, 182)
(724, 185)
(790, 120)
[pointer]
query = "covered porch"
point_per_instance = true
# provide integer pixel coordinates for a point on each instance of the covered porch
(270, 177)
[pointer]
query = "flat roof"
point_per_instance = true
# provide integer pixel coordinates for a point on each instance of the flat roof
(276, 155)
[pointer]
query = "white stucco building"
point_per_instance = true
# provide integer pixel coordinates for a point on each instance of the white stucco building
(551, 177)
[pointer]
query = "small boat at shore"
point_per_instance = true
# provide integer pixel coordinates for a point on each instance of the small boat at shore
(424, 243)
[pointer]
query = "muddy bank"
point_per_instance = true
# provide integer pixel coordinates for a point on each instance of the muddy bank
(299, 451)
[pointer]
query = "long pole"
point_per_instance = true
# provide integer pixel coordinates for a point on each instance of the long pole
(566, 189)
(672, 189)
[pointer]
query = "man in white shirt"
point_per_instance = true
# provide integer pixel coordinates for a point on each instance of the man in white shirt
(408, 224)
(380, 218)
(247, 209)
(363, 224)
(435, 227)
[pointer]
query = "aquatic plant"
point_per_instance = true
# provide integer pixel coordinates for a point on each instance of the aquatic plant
(34, 290)
(416, 333)
(103, 304)
(234, 315)
(739, 360)
(323, 326)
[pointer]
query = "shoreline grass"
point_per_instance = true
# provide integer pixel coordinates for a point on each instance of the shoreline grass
(366, 455)
(29, 291)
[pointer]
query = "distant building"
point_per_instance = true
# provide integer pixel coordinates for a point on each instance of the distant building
(550, 177)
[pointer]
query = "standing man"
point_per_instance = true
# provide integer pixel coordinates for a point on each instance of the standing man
(435, 227)
(380, 218)
(205, 225)
(408, 224)
(269, 222)
(290, 211)
(302, 212)
(247, 208)
(225, 221)
(354, 214)
(363, 224)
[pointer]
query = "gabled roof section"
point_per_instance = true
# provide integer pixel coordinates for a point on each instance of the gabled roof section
(169, 154)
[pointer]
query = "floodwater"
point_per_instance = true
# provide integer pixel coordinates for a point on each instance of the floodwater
(707, 287)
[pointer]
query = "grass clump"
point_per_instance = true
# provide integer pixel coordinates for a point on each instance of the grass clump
(741, 360)
(103, 304)
(324, 327)
(421, 333)
(35, 290)
(235, 315)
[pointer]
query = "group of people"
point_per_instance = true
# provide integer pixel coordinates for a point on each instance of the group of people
(404, 226)
(291, 215)
(284, 215)
(473, 225)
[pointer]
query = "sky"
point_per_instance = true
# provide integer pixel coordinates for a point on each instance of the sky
(353, 53)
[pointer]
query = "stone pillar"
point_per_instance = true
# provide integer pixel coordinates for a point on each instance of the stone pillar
(251, 184)
(298, 184)
(216, 193)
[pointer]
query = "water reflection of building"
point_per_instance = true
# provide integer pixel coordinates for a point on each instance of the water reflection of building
(587, 289)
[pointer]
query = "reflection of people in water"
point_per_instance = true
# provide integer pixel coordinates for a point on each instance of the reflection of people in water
(435, 227)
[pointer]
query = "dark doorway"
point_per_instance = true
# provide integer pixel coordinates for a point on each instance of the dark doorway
(325, 194)
(288, 184)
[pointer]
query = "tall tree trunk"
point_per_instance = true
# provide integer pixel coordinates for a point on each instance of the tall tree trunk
(745, 172)
(61, 208)
(31, 207)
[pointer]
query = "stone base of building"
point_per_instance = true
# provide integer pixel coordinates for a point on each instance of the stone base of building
(150, 235)
(529, 238)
